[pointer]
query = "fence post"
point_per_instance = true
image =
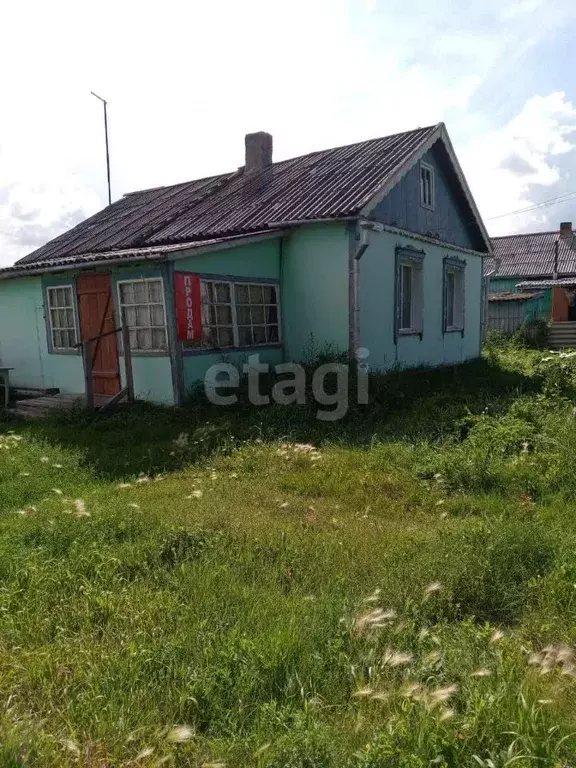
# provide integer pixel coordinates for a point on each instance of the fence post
(128, 362)
(88, 380)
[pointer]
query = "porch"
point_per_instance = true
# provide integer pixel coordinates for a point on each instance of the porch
(41, 407)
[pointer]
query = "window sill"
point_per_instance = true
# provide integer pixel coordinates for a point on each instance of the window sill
(53, 351)
(427, 207)
(146, 353)
(410, 332)
(192, 352)
(454, 329)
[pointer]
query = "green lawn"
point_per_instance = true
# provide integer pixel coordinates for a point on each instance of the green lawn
(255, 587)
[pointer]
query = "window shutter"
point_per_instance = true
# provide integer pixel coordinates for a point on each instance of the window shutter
(463, 291)
(397, 307)
(444, 295)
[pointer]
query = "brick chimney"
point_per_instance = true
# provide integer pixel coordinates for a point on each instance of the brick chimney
(566, 229)
(258, 151)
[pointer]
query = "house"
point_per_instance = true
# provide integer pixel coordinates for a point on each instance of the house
(376, 245)
(534, 276)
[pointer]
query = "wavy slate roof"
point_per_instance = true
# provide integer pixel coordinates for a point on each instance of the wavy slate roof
(512, 296)
(532, 255)
(329, 184)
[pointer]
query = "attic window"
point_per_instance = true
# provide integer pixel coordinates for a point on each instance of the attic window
(427, 189)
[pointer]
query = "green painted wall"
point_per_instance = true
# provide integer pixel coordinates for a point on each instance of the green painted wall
(152, 372)
(251, 260)
(24, 344)
(260, 259)
(504, 284)
(152, 378)
(315, 289)
(23, 340)
(377, 307)
(195, 366)
(541, 307)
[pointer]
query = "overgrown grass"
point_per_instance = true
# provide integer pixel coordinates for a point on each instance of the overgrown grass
(259, 588)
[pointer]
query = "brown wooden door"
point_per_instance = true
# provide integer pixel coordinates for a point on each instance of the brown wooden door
(96, 310)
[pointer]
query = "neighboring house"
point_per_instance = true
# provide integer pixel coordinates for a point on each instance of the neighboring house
(534, 276)
(264, 260)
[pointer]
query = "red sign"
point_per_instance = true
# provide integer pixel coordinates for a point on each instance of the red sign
(188, 306)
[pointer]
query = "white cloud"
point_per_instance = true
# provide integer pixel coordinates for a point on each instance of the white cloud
(520, 8)
(186, 81)
(509, 168)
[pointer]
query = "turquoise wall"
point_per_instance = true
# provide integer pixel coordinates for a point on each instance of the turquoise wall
(152, 373)
(259, 259)
(315, 289)
(195, 366)
(504, 284)
(256, 260)
(538, 307)
(377, 309)
(24, 344)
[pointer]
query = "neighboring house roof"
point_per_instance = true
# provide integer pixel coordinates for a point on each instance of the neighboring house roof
(532, 255)
(331, 184)
(564, 281)
(505, 296)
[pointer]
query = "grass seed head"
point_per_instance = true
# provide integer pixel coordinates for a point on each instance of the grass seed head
(431, 589)
(396, 658)
(440, 695)
(146, 752)
(80, 507)
(179, 734)
(363, 693)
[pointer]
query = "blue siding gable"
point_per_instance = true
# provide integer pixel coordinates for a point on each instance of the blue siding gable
(451, 221)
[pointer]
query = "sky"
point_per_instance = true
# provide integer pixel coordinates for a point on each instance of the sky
(185, 81)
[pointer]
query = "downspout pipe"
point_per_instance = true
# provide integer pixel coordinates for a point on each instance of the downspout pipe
(364, 228)
(487, 276)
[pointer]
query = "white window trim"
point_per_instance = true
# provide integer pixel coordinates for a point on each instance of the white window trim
(432, 205)
(49, 307)
(135, 350)
(417, 304)
(232, 305)
(235, 337)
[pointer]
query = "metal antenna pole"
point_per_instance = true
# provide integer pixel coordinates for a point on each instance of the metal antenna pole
(105, 103)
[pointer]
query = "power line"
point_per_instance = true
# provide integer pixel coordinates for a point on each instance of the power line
(553, 201)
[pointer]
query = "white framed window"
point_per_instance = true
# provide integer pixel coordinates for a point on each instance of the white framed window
(410, 300)
(238, 314)
(143, 310)
(217, 313)
(454, 281)
(256, 307)
(427, 186)
(62, 317)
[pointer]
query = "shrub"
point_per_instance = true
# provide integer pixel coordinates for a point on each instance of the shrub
(503, 560)
(533, 333)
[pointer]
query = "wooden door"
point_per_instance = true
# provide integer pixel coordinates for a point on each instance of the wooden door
(96, 310)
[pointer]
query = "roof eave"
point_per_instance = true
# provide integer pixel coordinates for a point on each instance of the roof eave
(145, 255)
